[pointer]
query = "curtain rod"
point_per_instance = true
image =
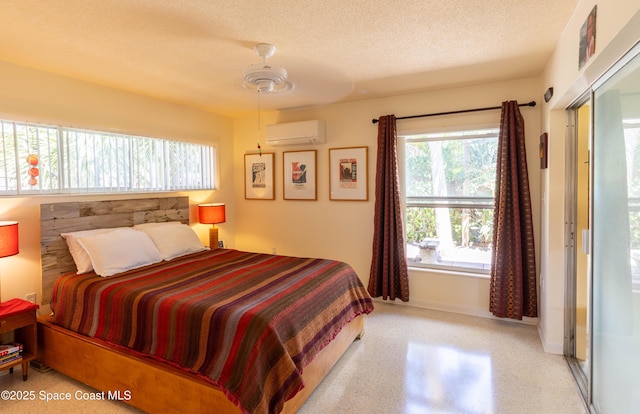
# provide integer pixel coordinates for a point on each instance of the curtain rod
(532, 103)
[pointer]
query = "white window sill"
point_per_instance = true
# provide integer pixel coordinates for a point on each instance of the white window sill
(420, 269)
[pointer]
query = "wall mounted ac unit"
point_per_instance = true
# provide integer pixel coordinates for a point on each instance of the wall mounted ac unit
(296, 133)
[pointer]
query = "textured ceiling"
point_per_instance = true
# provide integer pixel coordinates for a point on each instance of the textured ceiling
(194, 51)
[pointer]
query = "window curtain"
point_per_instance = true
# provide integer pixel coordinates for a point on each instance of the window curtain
(513, 268)
(389, 275)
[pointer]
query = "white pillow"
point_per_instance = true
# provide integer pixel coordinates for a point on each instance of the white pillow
(79, 254)
(159, 224)
(120, 250)
(175, 241)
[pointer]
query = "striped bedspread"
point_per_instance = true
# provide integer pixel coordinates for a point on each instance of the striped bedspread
(246, 322)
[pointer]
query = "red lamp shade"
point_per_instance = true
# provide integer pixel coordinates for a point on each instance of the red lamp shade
(9, 238)
(211, 213)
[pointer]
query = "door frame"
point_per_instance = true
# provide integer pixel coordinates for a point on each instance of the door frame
(571, 233)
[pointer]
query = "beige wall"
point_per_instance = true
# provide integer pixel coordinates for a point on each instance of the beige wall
(618, 29)
(34, 96)
(343, 230)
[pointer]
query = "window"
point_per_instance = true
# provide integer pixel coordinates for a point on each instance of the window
(43, 159)
(449, 182)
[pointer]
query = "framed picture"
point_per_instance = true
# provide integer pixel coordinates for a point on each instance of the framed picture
(299, 175)
(587, 38)
(259, 176)
(348, 174)
(544, 147)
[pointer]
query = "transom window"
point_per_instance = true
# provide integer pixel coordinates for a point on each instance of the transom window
(449, 182)
(44, 159)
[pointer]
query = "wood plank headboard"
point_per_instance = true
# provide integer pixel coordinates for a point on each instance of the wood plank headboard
(59, 218)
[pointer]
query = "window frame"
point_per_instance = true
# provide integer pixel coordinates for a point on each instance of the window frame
(433, 202)
(111, 162)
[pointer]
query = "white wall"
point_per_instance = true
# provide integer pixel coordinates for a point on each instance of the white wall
(35, 96)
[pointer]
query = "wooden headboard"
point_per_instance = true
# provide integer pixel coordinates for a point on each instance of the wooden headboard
(59, 218)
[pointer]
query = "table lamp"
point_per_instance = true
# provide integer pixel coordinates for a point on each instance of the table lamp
(212, 213)
(8, 239)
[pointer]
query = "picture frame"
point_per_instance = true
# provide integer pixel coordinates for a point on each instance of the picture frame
(349, 174)
(259, 176)
(587, 47)
(544, 148)
(299, 175)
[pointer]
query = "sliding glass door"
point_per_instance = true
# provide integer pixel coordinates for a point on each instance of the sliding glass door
(615, 376)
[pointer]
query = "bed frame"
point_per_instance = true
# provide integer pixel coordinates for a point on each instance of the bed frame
(144, 383)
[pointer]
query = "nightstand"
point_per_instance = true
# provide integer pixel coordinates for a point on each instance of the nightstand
(19, 316)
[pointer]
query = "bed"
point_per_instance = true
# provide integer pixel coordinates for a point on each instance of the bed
(210, 331)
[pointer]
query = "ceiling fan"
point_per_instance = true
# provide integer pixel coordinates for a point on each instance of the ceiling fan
(264, 77)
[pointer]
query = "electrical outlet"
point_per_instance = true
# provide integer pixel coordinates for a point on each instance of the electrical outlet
(30, 297)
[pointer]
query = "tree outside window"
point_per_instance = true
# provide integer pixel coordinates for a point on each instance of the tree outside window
(449, 190)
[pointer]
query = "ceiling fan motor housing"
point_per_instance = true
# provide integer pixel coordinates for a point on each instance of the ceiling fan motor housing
(264, 77)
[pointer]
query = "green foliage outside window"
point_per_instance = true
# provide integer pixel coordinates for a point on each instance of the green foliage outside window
(446, 169)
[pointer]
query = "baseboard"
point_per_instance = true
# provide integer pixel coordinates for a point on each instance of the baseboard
(445, 307)
(549, 347)
(464, 310)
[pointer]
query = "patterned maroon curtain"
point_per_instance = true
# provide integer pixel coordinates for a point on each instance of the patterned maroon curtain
(389, 275)
(513, 268)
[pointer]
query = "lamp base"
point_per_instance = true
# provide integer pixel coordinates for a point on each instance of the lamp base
(213, 237)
